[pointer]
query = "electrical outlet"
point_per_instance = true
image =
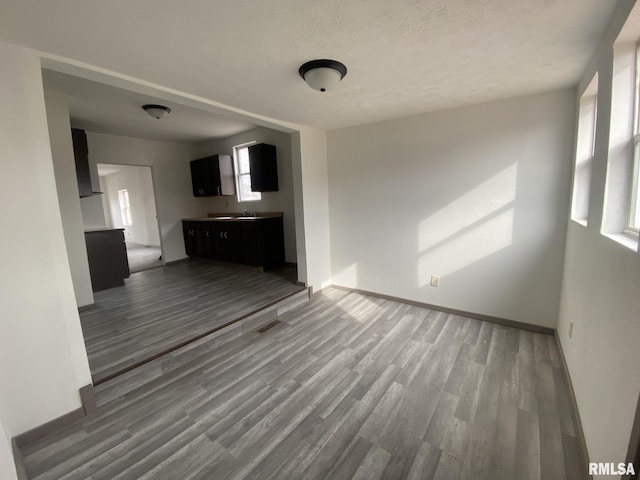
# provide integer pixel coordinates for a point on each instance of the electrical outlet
(435, 280)
(571, 330)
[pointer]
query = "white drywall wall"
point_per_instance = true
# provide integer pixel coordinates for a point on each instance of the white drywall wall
(477, 195)
(139, 185)
(280, 201)
(42, 358)
(169, 163)
(309, 146)
(68, 196)
(93, 211)
(600, 296)
(7, 465)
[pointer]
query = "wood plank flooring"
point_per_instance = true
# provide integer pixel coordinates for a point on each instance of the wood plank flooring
(346, 386)
(163, 307)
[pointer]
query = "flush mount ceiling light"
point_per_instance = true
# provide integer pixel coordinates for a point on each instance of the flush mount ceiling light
(321, 75)
(156, 111)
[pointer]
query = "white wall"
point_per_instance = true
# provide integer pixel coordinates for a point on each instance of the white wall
(280, 201)
(477, 195)
(93, 210)
(313, 227)
(68, 196)
(600, 296)
(42, 358)
(171, 177)
(7, 465)
(139, 185)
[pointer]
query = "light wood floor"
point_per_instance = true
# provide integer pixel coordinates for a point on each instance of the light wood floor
(160, 308)
(347, 386)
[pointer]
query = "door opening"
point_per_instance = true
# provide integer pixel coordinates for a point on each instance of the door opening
(129, 203)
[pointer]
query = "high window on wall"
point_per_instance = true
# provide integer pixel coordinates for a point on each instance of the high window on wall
(243, 174)
(633, 210)
(619, 212)
(125, 207)
(585, 150)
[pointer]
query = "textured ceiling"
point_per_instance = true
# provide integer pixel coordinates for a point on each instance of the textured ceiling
(404, 56)
(101, 108)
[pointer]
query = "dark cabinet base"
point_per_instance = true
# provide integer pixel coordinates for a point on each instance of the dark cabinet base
(258, 242)
(108, 263)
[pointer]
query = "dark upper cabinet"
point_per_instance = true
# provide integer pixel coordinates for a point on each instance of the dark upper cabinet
(263, 165)
(212, 176)
(81, 154)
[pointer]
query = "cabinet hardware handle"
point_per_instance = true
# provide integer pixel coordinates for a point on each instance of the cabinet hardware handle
(218, 190)
(225, 235)
(221, 235)
(207, 234)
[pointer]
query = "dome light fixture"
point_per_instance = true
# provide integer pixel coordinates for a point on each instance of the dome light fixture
(321, 75)
(156, 111)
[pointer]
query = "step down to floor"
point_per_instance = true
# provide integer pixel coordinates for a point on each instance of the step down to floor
(261, 319)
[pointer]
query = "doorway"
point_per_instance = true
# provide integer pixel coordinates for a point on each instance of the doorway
(129, 202)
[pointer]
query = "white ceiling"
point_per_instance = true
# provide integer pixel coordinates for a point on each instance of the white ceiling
(404, 56)
(101, 108)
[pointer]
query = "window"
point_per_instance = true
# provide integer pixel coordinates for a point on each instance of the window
(617, 209)
(633, 218)
(243, 174)
(585, 150)
(632, 225)
(125, 207)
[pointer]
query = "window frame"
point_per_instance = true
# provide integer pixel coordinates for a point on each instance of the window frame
(240, 193)
(632, 207)
(585, 148)
(632, 204)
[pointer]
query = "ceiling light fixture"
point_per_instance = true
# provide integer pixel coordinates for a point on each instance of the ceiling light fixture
(321, 75)
(156, 111)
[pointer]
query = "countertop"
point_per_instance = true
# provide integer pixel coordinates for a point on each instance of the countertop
(225, 219)
(233, 218)
(94, 230)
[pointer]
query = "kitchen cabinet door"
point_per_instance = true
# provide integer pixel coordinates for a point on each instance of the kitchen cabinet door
(263, 166)
(81, 157)
(212, 176)
(233, 239)
(189, 239)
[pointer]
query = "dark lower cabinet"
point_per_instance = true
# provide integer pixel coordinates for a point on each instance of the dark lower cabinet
(196, 240)
(107, 253)
(263, 243)
(231, 247)
(252, 242)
